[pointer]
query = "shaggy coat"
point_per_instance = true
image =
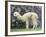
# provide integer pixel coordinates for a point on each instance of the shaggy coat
(26, 17)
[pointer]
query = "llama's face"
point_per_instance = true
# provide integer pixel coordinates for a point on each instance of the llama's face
(16, 14)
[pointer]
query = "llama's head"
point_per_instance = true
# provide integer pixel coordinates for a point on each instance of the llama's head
(16, 14)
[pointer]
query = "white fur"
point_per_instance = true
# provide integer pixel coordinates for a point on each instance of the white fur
(26, 17)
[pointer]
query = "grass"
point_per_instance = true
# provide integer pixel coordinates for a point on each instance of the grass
(23, 30)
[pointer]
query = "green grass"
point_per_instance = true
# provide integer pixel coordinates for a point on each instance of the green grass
(23, 30)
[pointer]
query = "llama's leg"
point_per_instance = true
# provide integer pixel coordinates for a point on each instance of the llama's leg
(35, 24)
(27, 24)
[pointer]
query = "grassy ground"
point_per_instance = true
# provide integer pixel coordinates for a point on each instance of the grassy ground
(23, 30)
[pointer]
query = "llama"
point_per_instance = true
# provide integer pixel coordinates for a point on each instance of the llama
(26, 17)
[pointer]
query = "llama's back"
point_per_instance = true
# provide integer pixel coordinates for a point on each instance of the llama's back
(30, 13)
(34, 14)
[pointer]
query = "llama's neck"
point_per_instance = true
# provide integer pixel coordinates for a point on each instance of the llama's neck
(19, 17)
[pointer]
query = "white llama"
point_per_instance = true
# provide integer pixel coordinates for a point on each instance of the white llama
(26, 17)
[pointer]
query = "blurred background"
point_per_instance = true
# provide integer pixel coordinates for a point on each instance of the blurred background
(22, 9)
